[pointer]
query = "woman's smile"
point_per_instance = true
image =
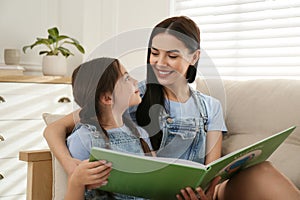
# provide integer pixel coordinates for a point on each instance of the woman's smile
(162, 73)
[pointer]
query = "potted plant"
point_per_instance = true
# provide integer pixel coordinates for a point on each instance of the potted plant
(54, 62)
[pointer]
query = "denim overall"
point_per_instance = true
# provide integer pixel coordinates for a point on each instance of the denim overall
(185, 138)
(121, 140)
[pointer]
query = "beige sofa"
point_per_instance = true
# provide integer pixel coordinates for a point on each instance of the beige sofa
(253, 110)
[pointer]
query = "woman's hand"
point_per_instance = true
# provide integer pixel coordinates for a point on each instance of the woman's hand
(189, 194)
(90, 173)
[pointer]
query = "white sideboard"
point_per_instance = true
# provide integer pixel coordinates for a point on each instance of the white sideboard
(23, 99)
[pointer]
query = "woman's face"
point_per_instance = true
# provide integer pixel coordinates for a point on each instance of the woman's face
(126, 92)
(170, 58)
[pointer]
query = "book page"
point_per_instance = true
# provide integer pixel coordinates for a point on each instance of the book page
(149, 177)
(163, 160)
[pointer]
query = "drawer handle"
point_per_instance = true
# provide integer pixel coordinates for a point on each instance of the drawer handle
(64, 100)
(1, 138)
(1, 176)
(2, 100)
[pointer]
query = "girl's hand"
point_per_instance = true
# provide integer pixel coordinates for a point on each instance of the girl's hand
(189, 194)
(70, 165)
(90, 173)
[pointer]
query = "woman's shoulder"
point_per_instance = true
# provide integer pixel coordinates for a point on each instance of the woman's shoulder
(206, 98)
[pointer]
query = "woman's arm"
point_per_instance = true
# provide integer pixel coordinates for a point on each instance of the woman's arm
(213, 146)
(56, 133)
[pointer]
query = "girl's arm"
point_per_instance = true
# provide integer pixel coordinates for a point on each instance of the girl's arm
(87, 173)
(56, 133)
(213, 146)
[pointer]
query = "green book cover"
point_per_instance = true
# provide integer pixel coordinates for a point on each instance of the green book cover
(162, 178)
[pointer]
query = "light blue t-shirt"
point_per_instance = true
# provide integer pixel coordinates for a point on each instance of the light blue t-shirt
(213, 108)
(188, 109)
(121, 139)
(80, 141)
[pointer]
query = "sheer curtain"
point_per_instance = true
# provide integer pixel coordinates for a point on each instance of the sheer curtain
(246, 37)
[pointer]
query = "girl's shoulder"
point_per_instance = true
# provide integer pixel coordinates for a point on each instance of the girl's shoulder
(81, 127)
(80, 141)
(82, 131)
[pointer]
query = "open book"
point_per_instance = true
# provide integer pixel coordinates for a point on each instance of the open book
(162, 178)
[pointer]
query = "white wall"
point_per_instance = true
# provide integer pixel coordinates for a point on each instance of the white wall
(91, 22)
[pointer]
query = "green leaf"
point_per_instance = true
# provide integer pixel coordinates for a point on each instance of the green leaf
(25, 48)
(80, 48)
(65, 52)
(61, 37)
(43, 52)
(74, 40)
(52, 43)
(77, 45)
(43, 41)
(52, 39)
(53, 32)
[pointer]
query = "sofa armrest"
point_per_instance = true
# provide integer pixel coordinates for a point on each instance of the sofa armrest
(39, 173)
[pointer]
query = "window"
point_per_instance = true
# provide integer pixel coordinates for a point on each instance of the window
(247, 37)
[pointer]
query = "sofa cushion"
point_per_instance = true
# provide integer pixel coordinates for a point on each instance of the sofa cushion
(256, 109)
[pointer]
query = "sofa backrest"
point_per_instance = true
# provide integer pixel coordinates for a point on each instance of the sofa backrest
(256, 109)
(257, 106)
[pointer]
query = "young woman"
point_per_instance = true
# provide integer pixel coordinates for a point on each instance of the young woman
(104, 90)
(182, 122)
(173, 54)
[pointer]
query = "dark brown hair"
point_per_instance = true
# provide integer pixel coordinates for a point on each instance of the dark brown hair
(185, 30)
(90, 81)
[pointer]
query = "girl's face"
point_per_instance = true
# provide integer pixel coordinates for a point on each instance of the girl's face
(126, 92)
(170, 58)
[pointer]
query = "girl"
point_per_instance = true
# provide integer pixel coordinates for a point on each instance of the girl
(104, 90)
(182, 122)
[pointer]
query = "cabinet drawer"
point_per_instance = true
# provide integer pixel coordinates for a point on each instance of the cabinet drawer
(21, 135)
(14, 197)
(15, 178)
(34, 88)
(32, 106)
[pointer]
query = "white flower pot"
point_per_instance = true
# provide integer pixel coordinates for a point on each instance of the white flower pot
(54, 65)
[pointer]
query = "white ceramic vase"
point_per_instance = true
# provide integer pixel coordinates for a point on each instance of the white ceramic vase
(54, 65)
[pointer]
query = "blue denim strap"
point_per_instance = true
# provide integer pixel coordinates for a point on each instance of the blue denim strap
(195, 146)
